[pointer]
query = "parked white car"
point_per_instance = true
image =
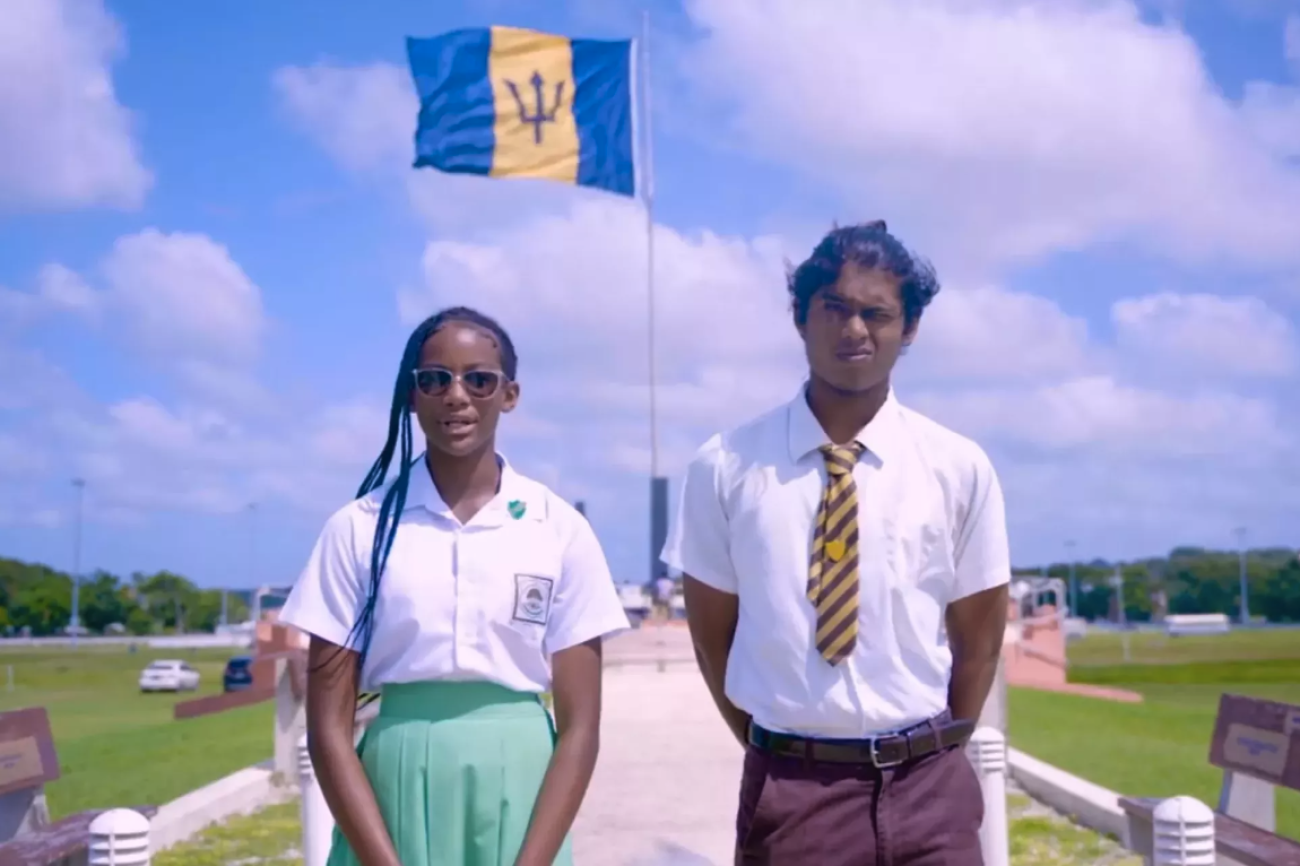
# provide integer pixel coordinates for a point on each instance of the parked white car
(168, 675)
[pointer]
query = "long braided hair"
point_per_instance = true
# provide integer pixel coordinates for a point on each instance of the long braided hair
(399, 431)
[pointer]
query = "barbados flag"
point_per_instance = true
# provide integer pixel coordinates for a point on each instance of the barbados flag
(506, 102)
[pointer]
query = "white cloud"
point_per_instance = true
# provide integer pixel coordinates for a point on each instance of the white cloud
(1003, 130)
(1271, 113)
(584, 274)
(142, 454)
(363, 116)
(991, 333)
(178, 299)
(1206, 334)
(41, 518)
(58, 290)
(1105, 416)
(183, 294)
(67, 142)
(224, 440)
(64, 290)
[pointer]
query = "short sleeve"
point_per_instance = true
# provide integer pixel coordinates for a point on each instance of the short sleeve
(328, 596)
(699, 540)
(982, 552)
(586, 601)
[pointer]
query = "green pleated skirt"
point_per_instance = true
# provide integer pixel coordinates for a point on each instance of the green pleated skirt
(456, 767)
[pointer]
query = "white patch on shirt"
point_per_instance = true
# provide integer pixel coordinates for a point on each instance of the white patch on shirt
(533, 598)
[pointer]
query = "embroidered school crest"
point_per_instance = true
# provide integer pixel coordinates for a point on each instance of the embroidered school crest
(516, 508)
(533, 598)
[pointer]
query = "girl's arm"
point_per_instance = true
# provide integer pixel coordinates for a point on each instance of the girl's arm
(332, 680)
(576, 694)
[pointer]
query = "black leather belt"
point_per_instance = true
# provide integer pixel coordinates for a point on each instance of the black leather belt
(889, 750)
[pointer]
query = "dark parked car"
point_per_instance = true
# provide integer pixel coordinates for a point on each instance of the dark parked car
(238, 675)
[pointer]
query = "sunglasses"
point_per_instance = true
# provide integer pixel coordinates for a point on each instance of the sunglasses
(478, 384)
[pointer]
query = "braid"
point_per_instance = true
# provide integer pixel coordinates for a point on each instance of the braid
(399, 431)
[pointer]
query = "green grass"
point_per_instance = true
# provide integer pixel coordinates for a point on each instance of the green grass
(1160, 747)
(1039, 839)
(269, 837)
(117, 746)
(1274, 672)
(1157, 648)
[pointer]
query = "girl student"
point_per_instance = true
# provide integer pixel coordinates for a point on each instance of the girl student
(460, 592)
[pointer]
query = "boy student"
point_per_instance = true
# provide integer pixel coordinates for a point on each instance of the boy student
(846, 564)
(460, 590)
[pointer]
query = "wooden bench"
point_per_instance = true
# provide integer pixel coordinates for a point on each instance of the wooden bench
(28, 762)
(1256, 744)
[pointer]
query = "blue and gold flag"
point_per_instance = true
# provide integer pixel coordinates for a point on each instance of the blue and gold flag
(507, 102)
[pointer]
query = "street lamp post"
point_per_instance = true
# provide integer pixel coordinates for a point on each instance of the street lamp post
(1240, 532)
(1121, 616)
(1074, 588)
(252, 560)
(75, 623)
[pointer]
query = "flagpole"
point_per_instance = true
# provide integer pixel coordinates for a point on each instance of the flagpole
(658, 486)
(647, 167)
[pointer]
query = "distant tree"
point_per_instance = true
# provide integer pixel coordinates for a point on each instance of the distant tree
(138, 621)
(168, 598)
(38, 598)
(1191, 580)
(104, 601)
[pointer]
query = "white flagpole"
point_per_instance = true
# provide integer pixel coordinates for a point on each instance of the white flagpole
(648, 195)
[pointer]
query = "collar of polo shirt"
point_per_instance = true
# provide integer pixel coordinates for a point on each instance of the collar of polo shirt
(516, 491)
(880, 437)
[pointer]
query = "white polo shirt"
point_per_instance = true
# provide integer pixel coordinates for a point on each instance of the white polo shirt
(492, 599)
(933, 529)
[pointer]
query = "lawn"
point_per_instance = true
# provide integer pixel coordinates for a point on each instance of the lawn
(269, 837)
(1102, 648)
(1158, 748)
(117, 746)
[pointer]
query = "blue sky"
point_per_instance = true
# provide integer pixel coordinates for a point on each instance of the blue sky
(212, 247)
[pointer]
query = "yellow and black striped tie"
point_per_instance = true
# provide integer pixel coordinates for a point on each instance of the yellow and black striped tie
(833, 571)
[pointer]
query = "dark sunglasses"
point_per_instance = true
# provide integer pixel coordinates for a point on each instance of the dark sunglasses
(479, 384)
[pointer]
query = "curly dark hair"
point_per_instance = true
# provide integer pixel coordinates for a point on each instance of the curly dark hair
(868, 245)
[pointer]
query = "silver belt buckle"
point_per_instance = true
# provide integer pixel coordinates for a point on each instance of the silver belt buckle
(875, 758)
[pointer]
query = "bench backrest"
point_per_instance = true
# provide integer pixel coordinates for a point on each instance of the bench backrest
(27, 762)
(27, 756)
(1258, 738)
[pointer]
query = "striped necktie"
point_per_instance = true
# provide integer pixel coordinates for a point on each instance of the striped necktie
(833, 571)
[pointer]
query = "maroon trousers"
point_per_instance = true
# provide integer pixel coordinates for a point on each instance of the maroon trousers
(796, 812)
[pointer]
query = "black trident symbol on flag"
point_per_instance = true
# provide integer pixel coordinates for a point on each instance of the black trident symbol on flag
(539, 116)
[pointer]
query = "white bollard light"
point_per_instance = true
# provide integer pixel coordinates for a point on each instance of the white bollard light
(987, 751)
(1183, 831)
(119, 837)
(317, 820)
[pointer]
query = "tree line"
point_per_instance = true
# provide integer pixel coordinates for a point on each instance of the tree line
(36, 599)
(1188, 580)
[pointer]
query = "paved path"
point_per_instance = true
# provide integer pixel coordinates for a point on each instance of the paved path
(665, 789)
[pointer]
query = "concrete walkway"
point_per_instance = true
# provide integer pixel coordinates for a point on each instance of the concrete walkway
(665, 789)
